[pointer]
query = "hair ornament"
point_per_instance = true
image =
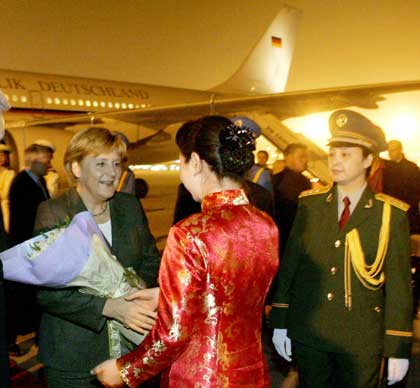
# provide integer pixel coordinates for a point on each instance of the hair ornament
(233, 137)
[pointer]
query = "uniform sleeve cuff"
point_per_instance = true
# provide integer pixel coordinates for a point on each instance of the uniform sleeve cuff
(398, 346)
(278, 315)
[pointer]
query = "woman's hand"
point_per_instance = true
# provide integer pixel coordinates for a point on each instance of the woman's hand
(108, 374)
(148, 296)
(136, 314)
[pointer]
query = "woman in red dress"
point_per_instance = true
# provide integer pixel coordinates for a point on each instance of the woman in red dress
(215, 273)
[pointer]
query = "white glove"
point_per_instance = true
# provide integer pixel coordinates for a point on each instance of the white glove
(282, 343)
(397, 369)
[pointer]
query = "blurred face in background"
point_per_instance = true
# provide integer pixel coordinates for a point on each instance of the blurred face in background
(98, 176)
(297, 160)
(262, 157)
(4, 159)
(39, 163)
(395, 151)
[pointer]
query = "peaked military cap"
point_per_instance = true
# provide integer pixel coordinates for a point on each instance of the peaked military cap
(248, 123)
(5, 148)
(347, 126)
(45, 143)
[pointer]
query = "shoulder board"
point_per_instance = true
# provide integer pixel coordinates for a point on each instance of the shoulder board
(392, 201)
(318, 190)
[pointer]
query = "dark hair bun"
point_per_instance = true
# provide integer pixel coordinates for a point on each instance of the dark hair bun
(236, 161)
(236, 146)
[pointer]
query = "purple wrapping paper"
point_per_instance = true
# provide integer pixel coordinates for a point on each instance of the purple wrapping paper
(57, 264)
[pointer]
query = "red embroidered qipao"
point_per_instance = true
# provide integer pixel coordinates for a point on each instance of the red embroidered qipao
(215, 273)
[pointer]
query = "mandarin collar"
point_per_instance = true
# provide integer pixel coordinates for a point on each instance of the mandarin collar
(224, 198)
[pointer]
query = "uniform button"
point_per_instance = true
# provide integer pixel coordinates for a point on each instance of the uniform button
(330, 296)
(333, 270)
(337, 244)
(377, 309)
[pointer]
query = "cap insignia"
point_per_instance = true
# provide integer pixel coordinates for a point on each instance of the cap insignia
(341, 120)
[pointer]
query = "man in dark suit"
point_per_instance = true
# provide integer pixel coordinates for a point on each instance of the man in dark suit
(343, 293)
(287, 185)
(407, 187)
(27, 191)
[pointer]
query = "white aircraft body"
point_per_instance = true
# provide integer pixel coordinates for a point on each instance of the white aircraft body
(55, 107)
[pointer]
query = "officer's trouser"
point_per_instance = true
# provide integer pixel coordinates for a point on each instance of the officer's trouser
(319, 369)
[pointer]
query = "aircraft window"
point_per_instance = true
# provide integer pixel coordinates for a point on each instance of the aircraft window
(117, 105)
(73, 102)
(23, 99)
(110, 105)
(103, 104)
(137, 106)
(57, 101)
(88, 103)
(124, 105)
(95, 103)
(15, 98)
(143, 105)
(49, 100)
(130, 106)
(65, 101)
(81, 102)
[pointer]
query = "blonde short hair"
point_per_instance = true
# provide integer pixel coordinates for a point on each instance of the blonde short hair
(92, 141)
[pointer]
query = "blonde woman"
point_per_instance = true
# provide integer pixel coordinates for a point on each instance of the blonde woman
(73, 330)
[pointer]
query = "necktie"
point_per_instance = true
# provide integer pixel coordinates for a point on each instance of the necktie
(345, 215)
(42, 184)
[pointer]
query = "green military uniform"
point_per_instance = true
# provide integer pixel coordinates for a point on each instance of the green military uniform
(310, 298)
(329, 302)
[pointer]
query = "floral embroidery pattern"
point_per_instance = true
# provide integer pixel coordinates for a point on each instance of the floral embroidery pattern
(214, 275)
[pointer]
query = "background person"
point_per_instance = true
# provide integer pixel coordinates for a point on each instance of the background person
(27, 191)
(260, 173)
(73, 330)
(342, 315)
(208, 330)
(287, 185)
(6, 177)
(407, 186)
(52, 179)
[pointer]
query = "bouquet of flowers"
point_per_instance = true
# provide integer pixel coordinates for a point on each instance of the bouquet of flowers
(76, 254)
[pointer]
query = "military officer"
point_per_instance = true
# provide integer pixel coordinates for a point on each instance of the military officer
(343, 293)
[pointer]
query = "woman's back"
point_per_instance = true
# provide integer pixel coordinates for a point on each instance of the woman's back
(238, 244)
(216, 270)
